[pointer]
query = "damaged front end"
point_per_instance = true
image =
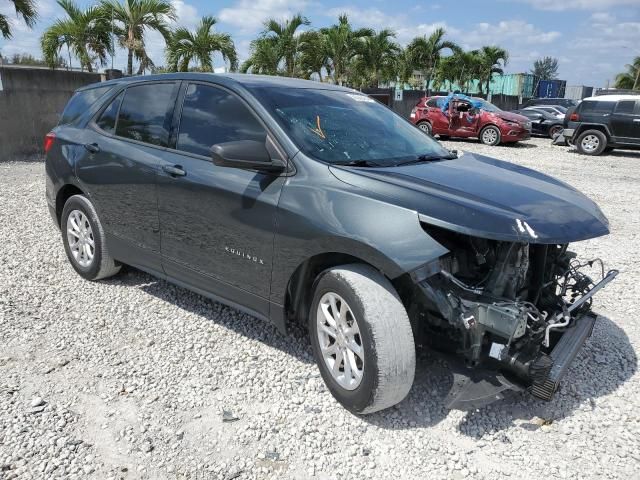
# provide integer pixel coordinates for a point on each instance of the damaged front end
(516, 313)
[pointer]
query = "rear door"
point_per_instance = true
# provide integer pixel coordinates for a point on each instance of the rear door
(217, 223)
(125, 142)
(625, 122)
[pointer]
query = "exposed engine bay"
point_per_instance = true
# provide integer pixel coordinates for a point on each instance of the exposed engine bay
(517, 313)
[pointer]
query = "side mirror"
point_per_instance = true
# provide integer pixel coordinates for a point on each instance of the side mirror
(248, 154)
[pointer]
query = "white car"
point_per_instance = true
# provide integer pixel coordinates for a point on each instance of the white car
(557, 110)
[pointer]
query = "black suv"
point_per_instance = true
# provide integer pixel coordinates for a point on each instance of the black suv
(600, 124)
(298, 201)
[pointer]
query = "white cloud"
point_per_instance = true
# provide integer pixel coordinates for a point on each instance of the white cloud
(249, 15)
(508, 33)
(561, 5)
(187, 14)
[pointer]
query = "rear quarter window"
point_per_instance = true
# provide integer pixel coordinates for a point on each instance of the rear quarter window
(595, 106)
(626, 106)
(80, 103)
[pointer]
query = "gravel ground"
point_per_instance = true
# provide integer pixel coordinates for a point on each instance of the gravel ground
(135, 378)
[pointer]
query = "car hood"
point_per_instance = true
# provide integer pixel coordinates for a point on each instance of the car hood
(513, 117)
(485, 197)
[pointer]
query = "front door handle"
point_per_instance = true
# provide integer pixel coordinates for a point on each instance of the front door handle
(92, 147)
(174, 170)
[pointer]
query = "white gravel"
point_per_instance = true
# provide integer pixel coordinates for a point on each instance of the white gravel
(135, 378)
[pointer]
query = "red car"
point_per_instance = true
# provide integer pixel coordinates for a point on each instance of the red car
(462, 116)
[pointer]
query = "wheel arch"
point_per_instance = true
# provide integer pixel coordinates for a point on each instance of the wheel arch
(64, 193)
(592, 126)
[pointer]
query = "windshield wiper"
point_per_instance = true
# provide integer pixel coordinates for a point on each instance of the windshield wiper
(429, 158)
(357, 163)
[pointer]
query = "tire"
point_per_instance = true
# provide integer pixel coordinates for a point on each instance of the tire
(93, 266)
(490, 135)
(382, 376)
(555, 130)
(591, 142)
(425, 127)
(607, 150)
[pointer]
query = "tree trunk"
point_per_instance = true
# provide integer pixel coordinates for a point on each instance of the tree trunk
(130, 62)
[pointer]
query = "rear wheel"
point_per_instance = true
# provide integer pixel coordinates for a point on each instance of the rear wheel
(591, 142)
(490, 135)
(425, 127)
(362, 339)
(84, 240)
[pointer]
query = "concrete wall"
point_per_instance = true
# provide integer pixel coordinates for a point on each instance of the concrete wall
(31, 99)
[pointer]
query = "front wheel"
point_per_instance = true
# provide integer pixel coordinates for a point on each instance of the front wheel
(490, 135)
(555, 130)
(362, 339)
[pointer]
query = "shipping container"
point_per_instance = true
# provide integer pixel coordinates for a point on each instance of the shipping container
(578, 92)
(551, 89)
(513, 84)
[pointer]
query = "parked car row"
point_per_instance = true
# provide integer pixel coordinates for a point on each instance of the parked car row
(594, 125)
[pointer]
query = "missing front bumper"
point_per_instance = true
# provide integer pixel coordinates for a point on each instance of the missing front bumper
(478, 388)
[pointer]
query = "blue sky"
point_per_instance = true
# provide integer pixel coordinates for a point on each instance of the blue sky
(593, 39)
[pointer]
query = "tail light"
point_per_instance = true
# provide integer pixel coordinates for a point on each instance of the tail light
(574, 117)
(413, 112)
(49, 138)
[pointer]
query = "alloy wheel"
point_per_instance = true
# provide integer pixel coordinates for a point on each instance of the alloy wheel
(590, 143)
(489, 136)
(80, 238)
(340, 341)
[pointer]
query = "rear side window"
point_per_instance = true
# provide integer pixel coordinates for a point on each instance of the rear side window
(80, 103)
(107, 120)
(595, 106)
(625, 106)
(145, 113)
(211, 115)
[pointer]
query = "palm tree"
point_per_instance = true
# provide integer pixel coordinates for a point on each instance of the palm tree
(84, 32)
(286, 39)
(185, 46)
(375, 56)
(25, 9)
(461, 68)
(492, 60)
(340, 44)
(403, 66)
(132, 18)
(630, 79)
(427, 51)
(313, 55)
(546, 68)
(264, 58)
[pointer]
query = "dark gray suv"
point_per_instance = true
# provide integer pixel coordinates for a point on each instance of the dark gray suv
(297, 201)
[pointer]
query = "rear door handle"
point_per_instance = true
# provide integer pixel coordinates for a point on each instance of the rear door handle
(174, 170)
(92, 147)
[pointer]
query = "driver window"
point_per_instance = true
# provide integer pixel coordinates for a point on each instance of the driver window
(211, 115)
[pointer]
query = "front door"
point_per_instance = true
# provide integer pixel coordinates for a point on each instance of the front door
(120, 168)
(625, 122)
(463, 119)
(217, 223)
